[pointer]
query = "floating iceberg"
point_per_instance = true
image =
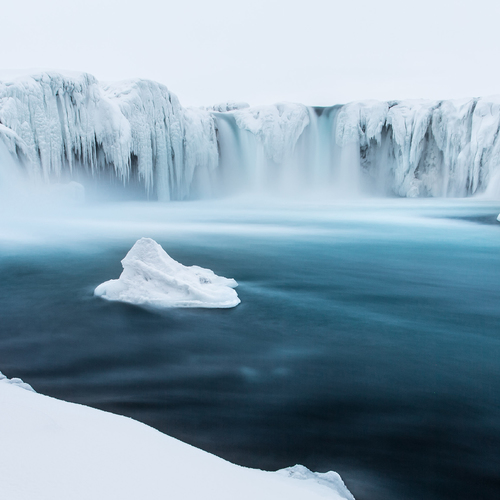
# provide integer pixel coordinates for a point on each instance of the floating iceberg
(54, 450)
(152, 278)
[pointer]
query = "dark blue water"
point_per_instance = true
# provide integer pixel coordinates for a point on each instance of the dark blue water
(369, 348)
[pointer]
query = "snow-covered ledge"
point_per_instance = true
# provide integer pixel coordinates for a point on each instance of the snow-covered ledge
(54, 450)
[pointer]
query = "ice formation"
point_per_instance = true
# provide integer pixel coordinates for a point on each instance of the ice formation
(59, 125)
(15, 381)
(57, 450)
(68, 126)
(223, 107)
(278, 127)
(330, 479)
(152, 278)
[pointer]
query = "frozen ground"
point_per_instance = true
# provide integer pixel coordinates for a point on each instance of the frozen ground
(53, 450)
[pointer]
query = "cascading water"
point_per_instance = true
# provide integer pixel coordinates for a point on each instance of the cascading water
(287, 162)
(73, 128)
(335, 159)
(9, 175)
(238, 157)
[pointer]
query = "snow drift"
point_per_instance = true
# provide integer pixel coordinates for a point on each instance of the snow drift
(71, 126)
(53, 450)
(152, 278)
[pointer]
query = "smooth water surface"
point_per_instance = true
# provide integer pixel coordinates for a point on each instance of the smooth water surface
(367, 341)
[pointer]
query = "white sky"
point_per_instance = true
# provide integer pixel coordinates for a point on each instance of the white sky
(318, 52)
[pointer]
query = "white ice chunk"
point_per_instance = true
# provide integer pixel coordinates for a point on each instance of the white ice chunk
(330, 479)
(152, 278)
(15, 381)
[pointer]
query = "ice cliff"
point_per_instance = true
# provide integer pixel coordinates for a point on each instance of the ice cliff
(59, 124)
(71, 126)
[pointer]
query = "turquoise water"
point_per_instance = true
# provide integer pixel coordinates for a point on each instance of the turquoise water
(367, 340)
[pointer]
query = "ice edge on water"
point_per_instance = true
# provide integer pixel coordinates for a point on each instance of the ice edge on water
(48, 444)
(152, 278)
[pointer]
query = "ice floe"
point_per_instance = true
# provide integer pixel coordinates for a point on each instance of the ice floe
(152, 278)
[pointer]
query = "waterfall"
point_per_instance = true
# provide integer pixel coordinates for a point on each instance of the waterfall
(62, 128)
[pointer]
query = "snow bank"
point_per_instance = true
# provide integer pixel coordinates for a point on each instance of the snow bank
(152, 278)
(53, 450)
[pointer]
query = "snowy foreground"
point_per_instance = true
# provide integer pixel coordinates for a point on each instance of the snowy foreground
(152, 278)
(54, 450)
(72, 127)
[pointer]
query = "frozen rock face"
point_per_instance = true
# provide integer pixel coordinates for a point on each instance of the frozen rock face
(63, 127)
(57, 125)
(152, 278)
(413, 148)
(427, 148)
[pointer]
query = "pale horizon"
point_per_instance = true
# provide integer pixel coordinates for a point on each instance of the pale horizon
(322, 53)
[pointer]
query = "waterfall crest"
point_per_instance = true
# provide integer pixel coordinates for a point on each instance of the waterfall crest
(65, 127)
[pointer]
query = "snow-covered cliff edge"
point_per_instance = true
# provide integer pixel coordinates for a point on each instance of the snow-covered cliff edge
(58, 124)
(61, 126)
(58, 451)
